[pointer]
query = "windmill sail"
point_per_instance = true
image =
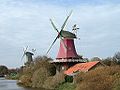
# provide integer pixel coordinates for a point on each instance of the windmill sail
(66, 21)
(59, 33)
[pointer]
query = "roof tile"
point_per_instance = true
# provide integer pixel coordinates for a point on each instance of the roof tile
(81, 67)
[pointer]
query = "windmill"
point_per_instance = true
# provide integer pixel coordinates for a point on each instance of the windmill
(28, 55)
(67, 55)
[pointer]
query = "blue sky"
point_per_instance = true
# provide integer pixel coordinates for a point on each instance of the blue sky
(26, 22)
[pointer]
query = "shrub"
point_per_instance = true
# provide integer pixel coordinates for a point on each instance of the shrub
(26, 80)
(43, 62)
(54, 81)
(39, 77)
(103, 78)
(117, 84)
(68, 78)
(37, 72)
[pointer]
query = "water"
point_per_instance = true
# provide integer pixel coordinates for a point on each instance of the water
(11, 85)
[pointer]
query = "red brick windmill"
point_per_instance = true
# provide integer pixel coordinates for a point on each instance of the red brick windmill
(67, 55)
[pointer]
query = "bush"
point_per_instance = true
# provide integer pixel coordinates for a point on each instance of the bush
(37, 72)
(26, 80)
(103, 78)
(117, 85)
(69, 79)
(39, 77)
(43, 62)
(54, 81)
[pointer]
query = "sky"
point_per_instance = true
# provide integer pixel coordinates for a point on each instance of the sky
(26, 23)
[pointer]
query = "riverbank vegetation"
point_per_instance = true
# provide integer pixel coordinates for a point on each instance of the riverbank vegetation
(3, 70)
(13, 74)
(42, 74)
(9, 73)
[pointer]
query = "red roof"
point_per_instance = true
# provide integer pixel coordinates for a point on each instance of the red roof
(81, 67)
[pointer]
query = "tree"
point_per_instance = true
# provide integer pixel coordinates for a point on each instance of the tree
(117, 57)
(3, 70)
(107, 61)
(95, 59)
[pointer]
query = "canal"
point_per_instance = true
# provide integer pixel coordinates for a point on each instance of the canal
(11, 85)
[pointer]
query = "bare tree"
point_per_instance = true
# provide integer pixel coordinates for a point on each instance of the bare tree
(116, 57)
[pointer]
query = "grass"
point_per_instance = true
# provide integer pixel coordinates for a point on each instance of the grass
(66, 86)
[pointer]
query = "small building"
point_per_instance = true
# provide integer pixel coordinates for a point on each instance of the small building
(82, 67)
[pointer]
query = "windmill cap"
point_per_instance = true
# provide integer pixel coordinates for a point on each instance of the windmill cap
(67, 34)
(29, 53)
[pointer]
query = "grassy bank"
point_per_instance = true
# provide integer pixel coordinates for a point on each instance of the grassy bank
(66, 86)
(42, 74)
(103, 78)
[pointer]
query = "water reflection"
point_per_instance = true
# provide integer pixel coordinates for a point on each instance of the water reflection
(11, 85)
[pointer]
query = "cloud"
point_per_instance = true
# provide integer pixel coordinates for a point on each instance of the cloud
(26, 22)
(100, 30)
